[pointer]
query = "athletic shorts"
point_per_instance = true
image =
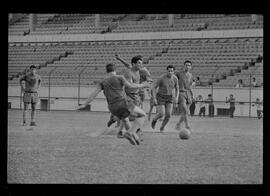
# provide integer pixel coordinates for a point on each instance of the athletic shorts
(29, 97)
(185, 97)
(121, 109)
(142, 95)
(164, 99)
(134, 98)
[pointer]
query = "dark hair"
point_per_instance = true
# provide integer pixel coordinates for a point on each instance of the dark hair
(110, 67)
(187, 61)
(135, 59)
(209, 95)
(33, 66)
(170, 66)
(198, 78)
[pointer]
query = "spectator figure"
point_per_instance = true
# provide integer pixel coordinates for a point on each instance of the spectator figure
(231, 100)
(254, 82)
(193, 83)
(211, 106)
(259, 59)
(198, 81)
(259, 105)
(240, 84)
(201, 105)
(192, 108)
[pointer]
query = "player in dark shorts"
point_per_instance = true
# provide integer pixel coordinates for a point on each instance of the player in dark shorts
(166, 95)
(30, 95)
(185, 94)
(112, 86)
(135, 73)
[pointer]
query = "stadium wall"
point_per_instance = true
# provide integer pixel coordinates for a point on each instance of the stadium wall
(66, 98)
(137, 36)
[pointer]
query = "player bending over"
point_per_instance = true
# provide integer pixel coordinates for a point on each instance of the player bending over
(112, 86)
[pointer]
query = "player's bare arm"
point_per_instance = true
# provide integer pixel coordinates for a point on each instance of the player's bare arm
(21, 84)
(91, 97)
(126, 64)
(133, 85)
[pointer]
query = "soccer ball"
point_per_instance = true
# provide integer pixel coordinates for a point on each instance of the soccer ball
(184, 134)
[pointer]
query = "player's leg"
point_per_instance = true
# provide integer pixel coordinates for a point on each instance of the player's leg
(111, 121)
(124, 123)
(26, 102)
(137, 123)
(168, 111)
(25, 108)
(150, 112)
(34, 101)
(159, 115)
(33, 114)
(183, 110)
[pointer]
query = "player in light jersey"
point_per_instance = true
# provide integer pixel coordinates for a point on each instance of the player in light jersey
(166, 95)
(185, 79)
(32, 82)
(112, 86)
(134, 73)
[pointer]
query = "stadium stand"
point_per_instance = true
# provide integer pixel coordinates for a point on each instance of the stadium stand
(221, 61)
(124, 23)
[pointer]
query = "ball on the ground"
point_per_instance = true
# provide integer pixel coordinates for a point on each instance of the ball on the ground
(184, 134)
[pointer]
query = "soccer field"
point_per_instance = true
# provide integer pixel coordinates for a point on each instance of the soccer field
(60, 150)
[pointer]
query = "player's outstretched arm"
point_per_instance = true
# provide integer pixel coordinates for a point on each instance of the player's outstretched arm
(134, 85)
(126, 64)
(91, 97)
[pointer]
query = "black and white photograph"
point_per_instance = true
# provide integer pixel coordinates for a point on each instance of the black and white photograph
(148, 99)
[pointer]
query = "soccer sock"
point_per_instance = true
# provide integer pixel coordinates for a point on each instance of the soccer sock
(186, 121)
(165, 121)
(33, 113)
(24, 115)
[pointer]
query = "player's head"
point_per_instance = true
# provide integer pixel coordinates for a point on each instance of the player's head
(209, 95)
(187, 65)
(170, 70)
(136, 62)
(231, 95)
(33, 69)
(200, 96)
(110, 68)
(257, 99)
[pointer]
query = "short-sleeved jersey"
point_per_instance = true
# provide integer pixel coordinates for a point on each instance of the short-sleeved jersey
(166, 85)
(132, 77)
(112, 87)
(31, 82)
(184, 80)
(210, 100)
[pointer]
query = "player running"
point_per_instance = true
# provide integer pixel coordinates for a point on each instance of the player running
(112, 86)
(32, 82)
(167, 94)
(185, 94)
(133, 74)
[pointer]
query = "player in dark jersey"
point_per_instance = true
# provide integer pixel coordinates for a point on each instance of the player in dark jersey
(166, 95)
(112, 86)
(30, 95)
(185, 93)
